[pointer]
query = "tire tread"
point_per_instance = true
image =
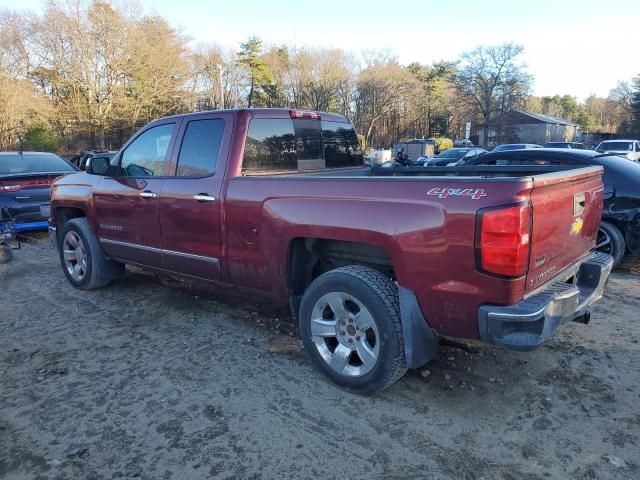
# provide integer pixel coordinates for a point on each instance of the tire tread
(103, 270)
(618, 242)
(382, 287)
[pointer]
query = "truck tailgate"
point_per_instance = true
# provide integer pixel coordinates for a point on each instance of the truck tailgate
(566, 215)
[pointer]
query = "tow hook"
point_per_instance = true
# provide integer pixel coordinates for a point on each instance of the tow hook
(586, 318)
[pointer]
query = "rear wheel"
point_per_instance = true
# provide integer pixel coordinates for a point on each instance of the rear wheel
(350, 326)
(611, 241)
(82, 259)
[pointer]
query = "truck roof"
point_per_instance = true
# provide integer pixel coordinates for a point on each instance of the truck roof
(266, 113)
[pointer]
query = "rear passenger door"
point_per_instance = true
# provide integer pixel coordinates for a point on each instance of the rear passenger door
(190, 204)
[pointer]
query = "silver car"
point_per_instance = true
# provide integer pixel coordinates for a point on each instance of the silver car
(629, 149)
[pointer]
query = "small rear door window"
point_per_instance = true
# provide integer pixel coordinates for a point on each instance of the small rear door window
(199, 150)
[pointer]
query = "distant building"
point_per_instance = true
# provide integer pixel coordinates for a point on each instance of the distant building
(518, 126)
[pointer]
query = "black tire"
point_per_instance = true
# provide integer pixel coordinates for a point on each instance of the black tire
(5, 254)
(379, 295)
(615, 246)
(99, 270)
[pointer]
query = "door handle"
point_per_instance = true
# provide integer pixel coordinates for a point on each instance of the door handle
(147, 194)
(203, 197)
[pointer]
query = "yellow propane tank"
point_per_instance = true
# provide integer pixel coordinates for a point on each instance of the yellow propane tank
(442, 143)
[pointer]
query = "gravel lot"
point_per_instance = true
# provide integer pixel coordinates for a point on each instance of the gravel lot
(149, 379)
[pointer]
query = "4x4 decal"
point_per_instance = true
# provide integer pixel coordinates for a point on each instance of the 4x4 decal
(475, 193)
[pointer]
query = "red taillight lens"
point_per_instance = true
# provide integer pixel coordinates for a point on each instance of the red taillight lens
(14, 187)
(505, 240)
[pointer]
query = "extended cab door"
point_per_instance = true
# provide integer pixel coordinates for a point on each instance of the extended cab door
(126, 205)
(190, 204)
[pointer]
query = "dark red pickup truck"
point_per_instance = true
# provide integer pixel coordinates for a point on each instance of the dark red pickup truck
(375, 263)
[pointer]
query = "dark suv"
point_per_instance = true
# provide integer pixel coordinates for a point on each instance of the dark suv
(81, 159)
(620, 227)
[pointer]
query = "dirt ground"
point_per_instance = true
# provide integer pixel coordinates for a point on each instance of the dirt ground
(148, 379)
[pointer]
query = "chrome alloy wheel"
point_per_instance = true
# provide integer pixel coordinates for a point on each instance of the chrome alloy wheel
(603, 242)
(345, 334)
(75, 256)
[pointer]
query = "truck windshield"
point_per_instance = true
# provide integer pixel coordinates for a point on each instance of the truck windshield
(453, 153)
(618, 146)
(284, 145)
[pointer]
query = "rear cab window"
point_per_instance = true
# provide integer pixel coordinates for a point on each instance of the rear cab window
(285, 145)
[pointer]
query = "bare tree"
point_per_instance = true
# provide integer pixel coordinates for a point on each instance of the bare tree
(156, 71)
(383, 89)
(492, 80)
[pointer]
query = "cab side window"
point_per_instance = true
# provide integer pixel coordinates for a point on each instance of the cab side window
(200, 146)
(146, 155)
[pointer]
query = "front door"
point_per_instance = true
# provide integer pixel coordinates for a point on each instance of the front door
(190, 204)
(126, 205)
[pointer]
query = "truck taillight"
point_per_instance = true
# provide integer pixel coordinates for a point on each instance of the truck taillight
(304, 114)
(503, 240)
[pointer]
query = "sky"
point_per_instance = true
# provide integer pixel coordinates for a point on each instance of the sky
(571, 47)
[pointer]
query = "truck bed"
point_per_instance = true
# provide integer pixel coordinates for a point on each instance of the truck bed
(424, 218)
(479, 171)
(470, 171)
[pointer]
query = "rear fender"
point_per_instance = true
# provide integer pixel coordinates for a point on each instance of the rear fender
(406, 232)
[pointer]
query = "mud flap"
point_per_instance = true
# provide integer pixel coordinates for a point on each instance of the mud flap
(420, 341)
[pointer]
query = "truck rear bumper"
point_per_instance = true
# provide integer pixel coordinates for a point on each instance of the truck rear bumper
(525, 325)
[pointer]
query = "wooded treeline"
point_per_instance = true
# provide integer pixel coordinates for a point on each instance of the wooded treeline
(86, 74)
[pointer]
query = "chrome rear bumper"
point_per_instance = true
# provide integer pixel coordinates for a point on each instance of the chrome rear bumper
(525, 325)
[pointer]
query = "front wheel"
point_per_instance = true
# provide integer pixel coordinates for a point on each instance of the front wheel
(611, 240)
(83, 262)
(350, 326)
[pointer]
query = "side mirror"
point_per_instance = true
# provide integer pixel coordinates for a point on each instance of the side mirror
(97, 165)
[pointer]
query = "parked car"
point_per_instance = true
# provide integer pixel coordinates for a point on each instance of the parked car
(455, 156)
(25, 186)
(463, 142)
(278, 203)
(80, 160)
(620, 227)
(515, 146)
(571, 145)
(629, 149)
